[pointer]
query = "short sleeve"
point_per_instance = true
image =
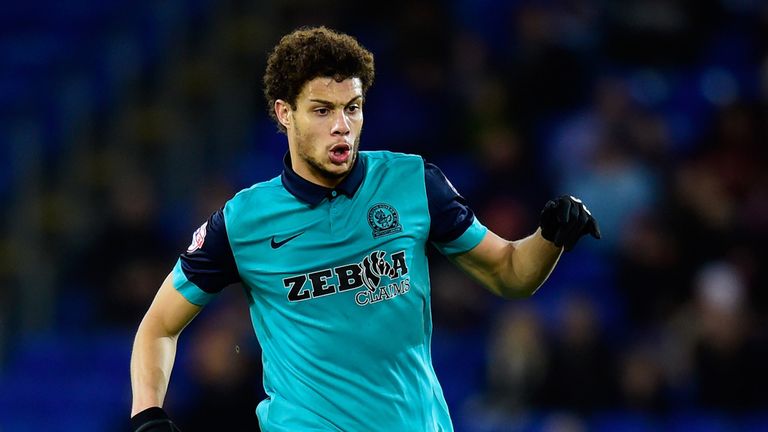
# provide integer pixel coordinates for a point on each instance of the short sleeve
(453, 228)
(208, 265)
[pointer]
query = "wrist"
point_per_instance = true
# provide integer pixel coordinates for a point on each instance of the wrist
(151, 418)
(547, 243)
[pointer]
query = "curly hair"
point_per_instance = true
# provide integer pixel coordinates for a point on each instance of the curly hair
(308, 53)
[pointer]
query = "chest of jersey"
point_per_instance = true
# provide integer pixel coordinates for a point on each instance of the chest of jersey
(337, 246)
(349, 262)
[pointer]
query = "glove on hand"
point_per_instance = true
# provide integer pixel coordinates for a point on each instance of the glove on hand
(153, 420)
(565, 219)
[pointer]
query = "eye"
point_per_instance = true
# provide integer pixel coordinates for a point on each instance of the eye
(353, 109)
(322, 111)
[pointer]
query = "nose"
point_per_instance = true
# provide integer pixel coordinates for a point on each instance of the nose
(341, 124)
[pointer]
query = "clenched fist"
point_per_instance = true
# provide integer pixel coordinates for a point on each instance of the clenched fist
(565, 219)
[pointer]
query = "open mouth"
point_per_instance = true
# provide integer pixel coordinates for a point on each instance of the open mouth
(339, 153)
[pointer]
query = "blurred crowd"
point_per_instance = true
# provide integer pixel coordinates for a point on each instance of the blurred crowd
(654, 112)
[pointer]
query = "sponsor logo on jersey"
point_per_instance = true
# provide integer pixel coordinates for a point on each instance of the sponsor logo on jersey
(384, 220)
(198, 238)
(382, 278)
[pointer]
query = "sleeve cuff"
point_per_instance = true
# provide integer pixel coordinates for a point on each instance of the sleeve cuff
(189, 290)
(468, 240)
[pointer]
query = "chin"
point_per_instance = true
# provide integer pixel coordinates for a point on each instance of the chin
(338, 171)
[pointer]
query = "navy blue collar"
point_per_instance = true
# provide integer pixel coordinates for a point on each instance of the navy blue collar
(311, 193)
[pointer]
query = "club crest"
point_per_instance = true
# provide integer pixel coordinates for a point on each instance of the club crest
(384, 220)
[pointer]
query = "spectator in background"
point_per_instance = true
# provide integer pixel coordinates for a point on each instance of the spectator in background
(648, 271)
(718, 195)
(600, 152)
(518, 362)
(729, 362)
(581, 373)
(542, 49)
(121, 265)
(642, 381)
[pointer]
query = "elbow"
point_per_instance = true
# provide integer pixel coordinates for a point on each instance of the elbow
(516, 291)
(517, 286)
(153, 327)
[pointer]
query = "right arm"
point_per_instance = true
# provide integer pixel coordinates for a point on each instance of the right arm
(206, 267)
(154, 348)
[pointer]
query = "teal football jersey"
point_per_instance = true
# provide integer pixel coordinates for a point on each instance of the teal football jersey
(337, 283)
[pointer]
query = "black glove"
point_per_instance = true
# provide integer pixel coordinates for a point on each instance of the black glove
(153, 420)
(565, 219)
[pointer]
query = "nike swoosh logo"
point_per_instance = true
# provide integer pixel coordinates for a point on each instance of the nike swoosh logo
(277, 244)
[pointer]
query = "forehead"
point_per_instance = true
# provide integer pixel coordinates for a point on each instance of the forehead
(328, 89)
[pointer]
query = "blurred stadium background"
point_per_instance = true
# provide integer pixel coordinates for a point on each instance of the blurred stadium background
(124, 124)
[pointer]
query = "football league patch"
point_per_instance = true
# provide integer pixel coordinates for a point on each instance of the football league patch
(198, 238)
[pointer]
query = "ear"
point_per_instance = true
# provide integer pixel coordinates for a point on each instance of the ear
(283, 112)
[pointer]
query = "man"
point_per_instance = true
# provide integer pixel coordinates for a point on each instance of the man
(332, 255)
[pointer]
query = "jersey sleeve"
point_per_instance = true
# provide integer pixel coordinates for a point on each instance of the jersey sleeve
(454, 228)
(208, 264)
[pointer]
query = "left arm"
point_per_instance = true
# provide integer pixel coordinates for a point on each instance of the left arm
(506, 268)
(515, 269)
(510, 269)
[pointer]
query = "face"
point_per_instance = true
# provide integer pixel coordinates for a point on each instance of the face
(324, 129)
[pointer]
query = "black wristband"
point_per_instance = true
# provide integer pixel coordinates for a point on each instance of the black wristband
(151, 420)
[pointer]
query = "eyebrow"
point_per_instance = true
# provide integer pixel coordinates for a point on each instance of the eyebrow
(325, 102)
